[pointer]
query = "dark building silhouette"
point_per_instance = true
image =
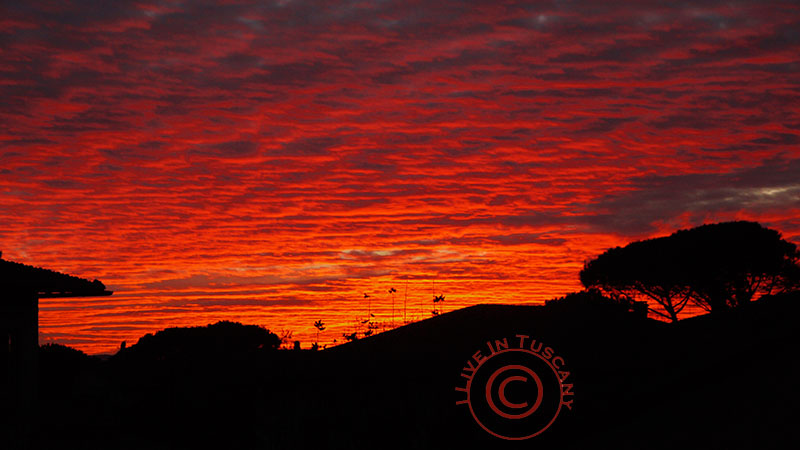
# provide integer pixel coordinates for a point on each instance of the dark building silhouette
(21, 287)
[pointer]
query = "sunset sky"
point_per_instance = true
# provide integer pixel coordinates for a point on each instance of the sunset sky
(271, 162)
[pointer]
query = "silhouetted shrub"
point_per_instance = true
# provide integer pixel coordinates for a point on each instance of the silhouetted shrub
(61, 367)
(59, 353)
(222, 339)
(594, 300)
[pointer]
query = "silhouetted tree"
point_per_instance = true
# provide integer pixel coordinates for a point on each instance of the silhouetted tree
(351, 337)
(60, 368)
(372, 328)
(732, 263)
(790, 279)
(437, 299)
(285, 338)
(61, 354)
(716, 266)
(594, 300)
(223, 338)
(319, 325)
(641, 269)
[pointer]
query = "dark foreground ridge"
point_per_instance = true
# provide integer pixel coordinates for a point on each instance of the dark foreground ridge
(715, 381)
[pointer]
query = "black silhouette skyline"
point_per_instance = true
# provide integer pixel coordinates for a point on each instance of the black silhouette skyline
(388, 224)
(633, 382)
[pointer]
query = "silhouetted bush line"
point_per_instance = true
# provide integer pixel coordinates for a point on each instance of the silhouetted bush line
(220, 338)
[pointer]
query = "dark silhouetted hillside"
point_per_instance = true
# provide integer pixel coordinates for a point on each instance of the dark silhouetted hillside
(722, 381)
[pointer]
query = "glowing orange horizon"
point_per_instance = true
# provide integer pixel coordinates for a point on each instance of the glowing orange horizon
(145, 305)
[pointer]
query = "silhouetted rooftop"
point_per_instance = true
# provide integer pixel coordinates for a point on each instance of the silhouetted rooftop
(46, 283)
